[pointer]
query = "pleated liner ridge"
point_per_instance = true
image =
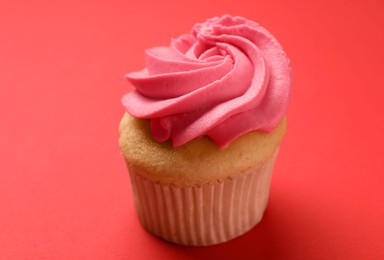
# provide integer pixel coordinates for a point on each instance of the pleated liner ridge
(203, 215)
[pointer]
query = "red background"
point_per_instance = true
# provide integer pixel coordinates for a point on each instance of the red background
(64, 189)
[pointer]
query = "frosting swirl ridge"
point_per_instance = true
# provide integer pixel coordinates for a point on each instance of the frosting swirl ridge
(229, 76)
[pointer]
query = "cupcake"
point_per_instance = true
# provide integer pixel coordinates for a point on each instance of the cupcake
(203, 128)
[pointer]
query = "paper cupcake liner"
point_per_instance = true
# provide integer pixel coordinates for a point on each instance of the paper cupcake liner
(203, 215)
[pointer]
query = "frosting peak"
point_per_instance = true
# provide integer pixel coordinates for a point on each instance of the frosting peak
(227, 77)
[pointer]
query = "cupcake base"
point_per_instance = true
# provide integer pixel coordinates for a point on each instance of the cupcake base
(206, 214)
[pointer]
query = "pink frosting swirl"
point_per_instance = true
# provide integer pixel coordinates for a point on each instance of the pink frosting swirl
(229, 76)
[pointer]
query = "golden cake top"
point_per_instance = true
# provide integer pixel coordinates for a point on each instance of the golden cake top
(197, 162)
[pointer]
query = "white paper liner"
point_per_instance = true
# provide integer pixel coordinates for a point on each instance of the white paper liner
(203, 215)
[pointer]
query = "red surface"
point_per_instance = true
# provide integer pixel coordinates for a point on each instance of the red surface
(64, 189)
